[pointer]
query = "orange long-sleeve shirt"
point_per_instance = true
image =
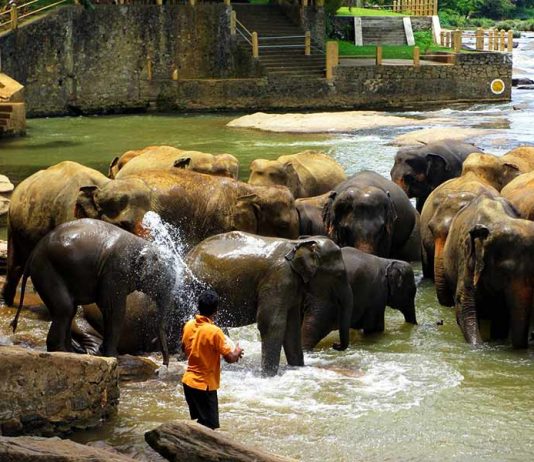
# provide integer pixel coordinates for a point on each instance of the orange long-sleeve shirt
(204, 343)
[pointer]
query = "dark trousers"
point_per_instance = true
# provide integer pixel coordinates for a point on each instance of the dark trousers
(203, 406)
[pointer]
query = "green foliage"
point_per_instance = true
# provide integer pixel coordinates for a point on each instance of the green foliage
(423, 39)
(388, 51)
(353, 11)
(331, 6)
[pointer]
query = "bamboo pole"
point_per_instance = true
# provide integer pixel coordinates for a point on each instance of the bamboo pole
(307, 43)
(457, 41)
(14, 16)
(510, 44)
(479, 39)
(255, 46)
(332, 58)
(233, 23)
(378, 55)
(416, 57)
(502, 40)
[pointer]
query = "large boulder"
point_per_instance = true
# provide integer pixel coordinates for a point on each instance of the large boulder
(54, 393)
(34, 449)
(192, 442)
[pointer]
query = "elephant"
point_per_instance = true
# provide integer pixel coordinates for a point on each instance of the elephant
(520, 192)
(266, 281)
(418, 170)
(306, 174)
(373, 214)
(38, 204)
(376, 283)
(439, 210)
(499, 171)
(162, 157)
(199, 205)
(89, 261)
(486, 270)
(310, 210)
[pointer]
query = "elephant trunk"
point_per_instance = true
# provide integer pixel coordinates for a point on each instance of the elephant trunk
(466, 316)
(519, 302)
(346, 302)
(442, 290)
(409, 314)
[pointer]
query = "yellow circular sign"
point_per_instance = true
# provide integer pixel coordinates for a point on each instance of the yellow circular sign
(497, 86)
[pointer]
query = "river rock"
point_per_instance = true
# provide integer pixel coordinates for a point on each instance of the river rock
(34, 449)
(430, 135)
(324, 122)
(192, 442)
(522, 81)
(136, 368)
(54, 393)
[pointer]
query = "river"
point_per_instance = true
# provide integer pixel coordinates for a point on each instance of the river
(413, 393)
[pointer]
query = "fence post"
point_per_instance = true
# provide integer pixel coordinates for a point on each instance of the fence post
(479, 39)
(233, 22)
(148, 67)
(14, 15)
(457, 40)
(502, 41)
(158, 2)
(192, 2)
(227, 2)
(491, 40)
(332, 58)
(510, 41)
(304, 3)
(378, 55)
(416, 57)
(255, 46)
(442, 38)
(319, 3)
(307, 43)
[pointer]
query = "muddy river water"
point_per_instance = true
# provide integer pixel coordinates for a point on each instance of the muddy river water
(413, 393)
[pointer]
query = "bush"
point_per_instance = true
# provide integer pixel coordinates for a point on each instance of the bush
(424, 40)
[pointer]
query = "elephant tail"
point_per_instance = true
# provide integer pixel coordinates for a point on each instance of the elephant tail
(25, 277)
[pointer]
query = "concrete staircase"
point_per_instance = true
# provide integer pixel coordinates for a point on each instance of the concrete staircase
(12, 107)
(270, 21)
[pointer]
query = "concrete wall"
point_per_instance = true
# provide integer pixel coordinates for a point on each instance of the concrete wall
(81, 61)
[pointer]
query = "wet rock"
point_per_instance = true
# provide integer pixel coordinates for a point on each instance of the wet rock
(188, 442)
(136, 368)
(324, 122)
(34, 449)
(3, 255)
(54, 393)
(431, 135)
(522, 81)
(525, 87)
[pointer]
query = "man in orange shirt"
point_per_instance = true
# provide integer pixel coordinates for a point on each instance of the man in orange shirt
(204, 343)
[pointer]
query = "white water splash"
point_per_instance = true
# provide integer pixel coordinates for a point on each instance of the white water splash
(171, 243)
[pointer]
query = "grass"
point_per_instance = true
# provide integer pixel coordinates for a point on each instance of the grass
(388, 51)
(346, 11)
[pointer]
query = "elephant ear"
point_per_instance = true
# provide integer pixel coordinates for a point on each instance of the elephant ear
(112, 167)
(247, 213)
(328, 214)
(86, 206)
(304, 259)
(293, 182)
(477, 236)
(436, 168)
(182, 162)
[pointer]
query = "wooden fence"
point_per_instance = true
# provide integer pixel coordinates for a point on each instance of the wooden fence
(483, 40)
(416, 7)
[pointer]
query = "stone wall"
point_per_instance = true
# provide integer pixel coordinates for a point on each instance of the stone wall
(92, 61)
(54, 393)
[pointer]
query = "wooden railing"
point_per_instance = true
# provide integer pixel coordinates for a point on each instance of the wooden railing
(416, 7)
(484, 40)
(14, 14)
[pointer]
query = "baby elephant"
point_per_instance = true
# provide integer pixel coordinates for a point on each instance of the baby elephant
(376, 283)
(89, 261)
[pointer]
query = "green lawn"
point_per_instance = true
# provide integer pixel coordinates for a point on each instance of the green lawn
(345, 11)
(388, 51)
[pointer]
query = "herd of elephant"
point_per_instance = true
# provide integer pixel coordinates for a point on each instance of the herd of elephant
(300, 249)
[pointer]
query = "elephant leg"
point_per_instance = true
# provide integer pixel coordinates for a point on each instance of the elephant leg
(375, 323)
(519, 302)
(427, 263)
(113, 311)
(500, 318)
(272, 322)
(292, 338)
(15, 268)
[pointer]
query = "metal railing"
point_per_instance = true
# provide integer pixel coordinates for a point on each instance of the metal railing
(14, 14)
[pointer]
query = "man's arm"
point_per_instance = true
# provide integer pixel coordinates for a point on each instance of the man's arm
(235, 355)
